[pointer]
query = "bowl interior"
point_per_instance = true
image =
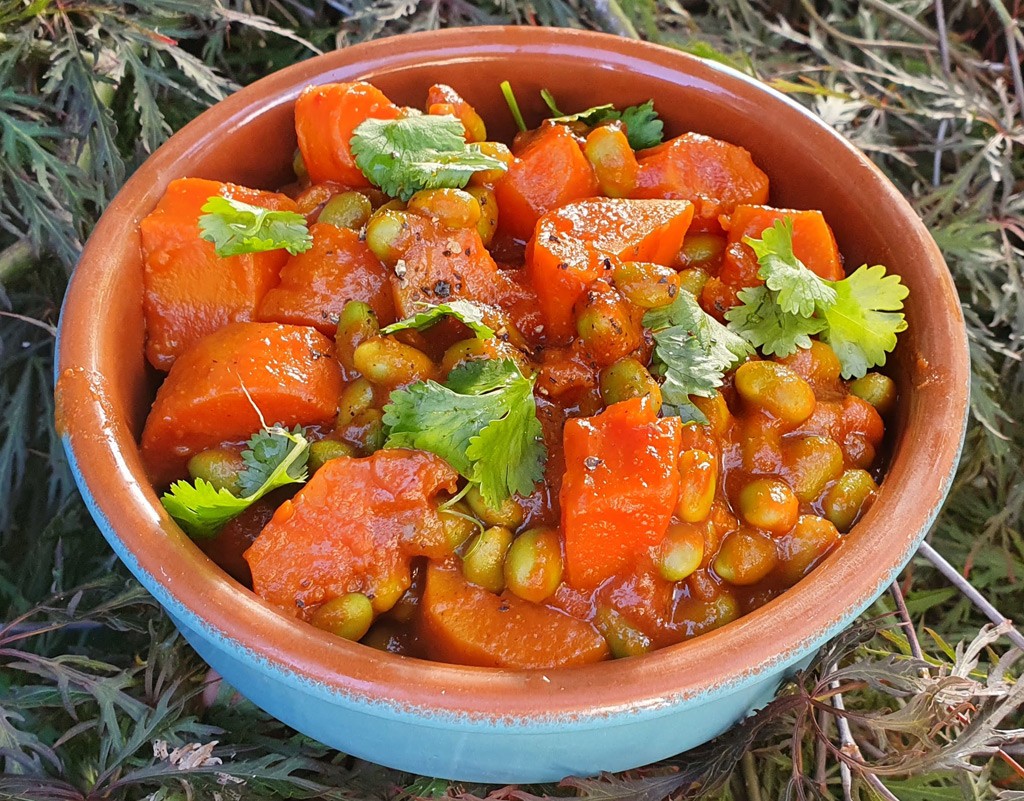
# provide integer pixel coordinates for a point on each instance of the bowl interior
(105, 388)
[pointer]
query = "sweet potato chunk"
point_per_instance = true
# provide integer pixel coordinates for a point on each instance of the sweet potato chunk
(550, 172)
(315, 286)
(354, 527)
(570, 245)
(188, 290)
(467, 625)
(325, 117)
(620, 487)
(715, 175)
(289, 372)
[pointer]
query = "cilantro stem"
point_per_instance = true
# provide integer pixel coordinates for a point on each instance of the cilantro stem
(456, 497)
(549, 101)
(513, 105)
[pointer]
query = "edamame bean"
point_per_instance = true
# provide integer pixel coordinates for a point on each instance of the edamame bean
(357, 397)
(605, 325)
(454, 208)
(846, 500)
(776, 389)
(698, 477)
(626, 379)
(701, 250)
(877, 389)
(681, 552)
(484, 560)
(692, 280)
(496, 150)
(645, 284)
(769, 504)
(459, 524)
(386, 362)
(810, 464)
(745, 557)
(533, 565)
(614, 162)
(488, 222)
(507, 513)
(384, 233)
(800, 549)
(356, 324)
(623, 638)
(346, 210)
(221, 467)
(349, 616)
(366, 431)
(324, 450)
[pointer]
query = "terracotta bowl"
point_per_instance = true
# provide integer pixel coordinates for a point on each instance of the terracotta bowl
(498, 725)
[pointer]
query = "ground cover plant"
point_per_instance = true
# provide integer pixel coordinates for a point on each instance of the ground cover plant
(100, 699)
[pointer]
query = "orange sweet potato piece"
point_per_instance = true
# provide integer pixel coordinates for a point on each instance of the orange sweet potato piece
(442, 99)
(715, 175)
(354, 527)
(550, 172)
(315, 286)
(570, 244)
(467, 625)
(620, 487)
(439, 263)
(289, 372)
(188, 290)
(325, 117)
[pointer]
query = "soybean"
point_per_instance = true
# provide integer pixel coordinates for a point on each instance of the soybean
(776, 389)
(769, 504)
(614, 162)
(484, 561)
(698, 477)
(221, 467)
(346, 210)
(349, 616)
(681, 551)
(645, 284)
(325, 450)
(356, 324)
(507, 513)
(623, 638)
(812, 463)
(605, 326)
(453, 208)
(488, 222)
(356, 398)
(701, 250)
(745, 557)
(877, 389)
(384, 233)
(626, 379)
(846, 499)
(800, 550)
(533, 565)
(386, 362)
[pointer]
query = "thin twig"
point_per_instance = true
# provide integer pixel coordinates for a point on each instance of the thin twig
(14, 259)
(905, 620)
(613, 19)
(750, 782)
(975, 597)
(1011, 30)
(940, 136)
(851, 749)
(51, 330)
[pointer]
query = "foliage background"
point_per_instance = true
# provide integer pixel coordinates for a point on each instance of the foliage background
(99, 698)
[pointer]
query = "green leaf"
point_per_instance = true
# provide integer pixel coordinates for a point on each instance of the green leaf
(468, 313)
(483, 422)
(864, 321)
(202, 510)
(235, 227)
(693, 352)
(417, 152)
(800, 290)
(761, 321)
(644, 128)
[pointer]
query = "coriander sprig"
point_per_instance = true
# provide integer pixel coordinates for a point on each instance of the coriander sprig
(470, 314)
(482, 421)
(275, 458)
(236, 227)
(858, 316)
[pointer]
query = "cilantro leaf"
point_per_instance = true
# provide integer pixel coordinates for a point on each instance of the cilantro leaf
(761, 321)
(417, 152)
(468, 313)
(800, 290)
(202, 510)
(863, 322)
(644, 128)
(483, 422)
(267, 448)
(693, 352)
(235, 227)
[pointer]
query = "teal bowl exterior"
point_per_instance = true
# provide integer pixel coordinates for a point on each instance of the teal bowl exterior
(475, 724)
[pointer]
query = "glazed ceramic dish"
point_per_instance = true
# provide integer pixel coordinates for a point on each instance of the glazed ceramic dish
(484, 724)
